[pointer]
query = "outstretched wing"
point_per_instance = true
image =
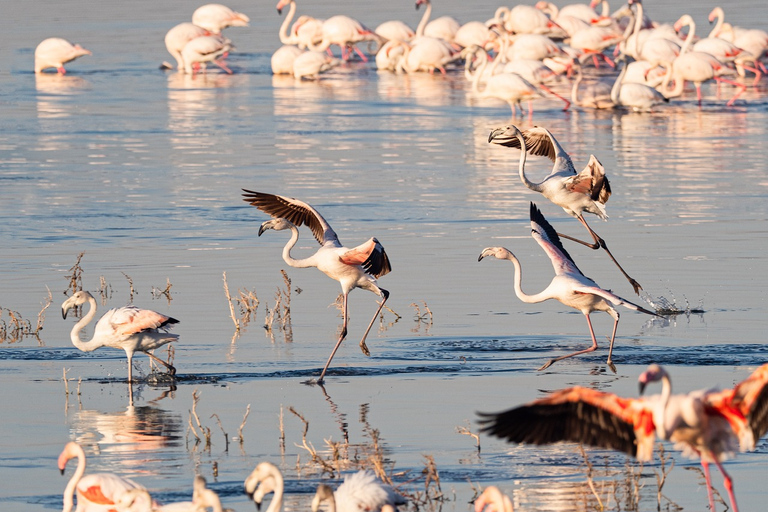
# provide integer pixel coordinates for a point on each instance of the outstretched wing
(580, 415)
(546, 236)
(371, 256)
(296, 211)
(591, 181)
(751, 398)
(538, 141)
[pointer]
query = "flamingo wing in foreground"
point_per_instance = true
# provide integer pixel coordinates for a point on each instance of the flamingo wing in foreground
(352, 268)
(576, 193)
(569, 286)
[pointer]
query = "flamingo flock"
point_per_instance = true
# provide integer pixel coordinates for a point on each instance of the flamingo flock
(516, 55)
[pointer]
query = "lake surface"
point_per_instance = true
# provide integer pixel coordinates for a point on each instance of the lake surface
(142, 169)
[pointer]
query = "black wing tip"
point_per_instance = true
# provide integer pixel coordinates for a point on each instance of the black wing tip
(170, 320)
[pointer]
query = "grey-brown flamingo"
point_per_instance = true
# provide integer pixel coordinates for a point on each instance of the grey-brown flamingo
(358, 267)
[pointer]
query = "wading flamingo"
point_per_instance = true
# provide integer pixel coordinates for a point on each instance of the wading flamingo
(54, 52)
(352, 268)
(569, 286)
(216, 17)
(139, 500)
(97, 492)
(201, 50)
(264, 479)
(586, 191)
(360, 491)
(178, 37)
(129, 328)
(706, 424)
(636, 96)
(493, 500)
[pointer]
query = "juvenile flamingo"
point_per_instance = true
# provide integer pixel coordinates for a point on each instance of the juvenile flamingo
(54, 52)
(360, 491)
(97, 492)
(129, 328)
(586, 191)
(569, 286)
(707, 424)
(352, 268)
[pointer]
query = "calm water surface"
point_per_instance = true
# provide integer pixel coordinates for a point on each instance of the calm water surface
(142, 171)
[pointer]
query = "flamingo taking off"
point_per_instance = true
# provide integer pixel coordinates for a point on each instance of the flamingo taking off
(95, 492)
(352, 268)
(360, 491)
(569, 286)
(54, 52)
(706, 424)
(129, 328)
(586, 191)
(216, 17)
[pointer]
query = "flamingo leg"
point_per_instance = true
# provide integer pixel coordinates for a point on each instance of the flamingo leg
(728, 486)
(741, 87)
(553, 93)
(599, 242)
(361, 54)
(705, 466)
(130, 367)
(610, 348)
(363, 346)
(223, 66)
(590, 349)
(171, 368)
(343, 335)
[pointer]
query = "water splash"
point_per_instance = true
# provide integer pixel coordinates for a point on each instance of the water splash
(669, 307)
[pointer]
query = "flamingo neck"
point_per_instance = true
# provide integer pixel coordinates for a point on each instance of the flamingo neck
(637, 28)
(666, 393)
(85, 346)
(689, 38)
(679, 83)
(536, 187)
(518, 280)
(303, 263)
(575, 88)
(285, 37)
(69, 490)
(616, 89)
(277, 499)
(424, 20)
(719, 25)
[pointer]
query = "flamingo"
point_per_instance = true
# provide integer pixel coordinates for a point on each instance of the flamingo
(264, 479)
(178, 37)
(139, 500)
(537, 73)
(359, 491)
(311, 64)
(389, 55)
(54, 52)
(444, 27)
(509, 87)
(526, 19)
(638, 97)
(358, 267)
(203, 49)
(394, 30)
(706, 424)
(129, 328)
(425, 54)
(569, 286)
(307, 30)
(493, 500)
(754, 41)
(587, 191)
(97, 492)
(593, 40)
(216, 17)
(595, 95)
(283, 59)
(345, 32)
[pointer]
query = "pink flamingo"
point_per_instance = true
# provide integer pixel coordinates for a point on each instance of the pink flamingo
(345, 32)
(359, 491)
(54, 52)
(352, 268)
(178, 37)
(569, 286)
(707, 424)
(493, 500)
(97, 492)
(444, 27)
(587, 191)
(139, 500)
(129, 328)
(201, 50)
(216, 17)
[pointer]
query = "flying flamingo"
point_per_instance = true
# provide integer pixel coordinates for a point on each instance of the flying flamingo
(706, 424)
(264, 479)
(493, 500)
(352, 268)
(360, 491)
(587, 191)
(129, 328)
(216, 17)
(178, 37)
(97, 492)
(54, 52)
(204, 49)
(569, 286)
(139, 500)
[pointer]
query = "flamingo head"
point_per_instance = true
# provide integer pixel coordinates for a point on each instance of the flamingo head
(82, 51)
(419, 2)
(70, 451)
(78, 299)
(506, 136)
(684, 20)
(594, 3)
(653, 373)
(263, 479)
(499, 252)
(323, 493)
(281, 4)
(276, 224)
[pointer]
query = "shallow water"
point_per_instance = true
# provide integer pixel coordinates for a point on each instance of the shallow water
(142, 171)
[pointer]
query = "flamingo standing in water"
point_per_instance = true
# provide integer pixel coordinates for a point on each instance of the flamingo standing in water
(54, 52)
(352, 268)
(129, 328)
(97, 492)
(178, 37)
(360, 491)
(216, 17)
(586, 191)
(569, 286)
(707, 424)
(201, 50)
